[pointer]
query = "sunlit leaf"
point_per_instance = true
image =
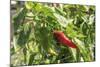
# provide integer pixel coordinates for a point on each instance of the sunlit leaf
(91, 19)
(29, 5)
(62, 20)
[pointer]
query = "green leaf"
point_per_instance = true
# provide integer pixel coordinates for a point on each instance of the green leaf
(24, 35)
(62, 20)
(83, 50)
(31, 58)
(29, 5)
(18, 18)
(91, 19)
(59, 11)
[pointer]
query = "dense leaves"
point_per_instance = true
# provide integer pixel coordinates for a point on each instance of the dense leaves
(33, 41)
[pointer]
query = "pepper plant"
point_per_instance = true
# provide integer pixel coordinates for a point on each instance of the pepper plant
(33, 42)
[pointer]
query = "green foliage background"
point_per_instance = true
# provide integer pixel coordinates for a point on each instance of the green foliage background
(33, 42)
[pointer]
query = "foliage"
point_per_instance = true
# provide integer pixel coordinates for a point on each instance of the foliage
(33, 41)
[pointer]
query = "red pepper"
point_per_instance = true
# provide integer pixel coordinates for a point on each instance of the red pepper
(61, 38)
